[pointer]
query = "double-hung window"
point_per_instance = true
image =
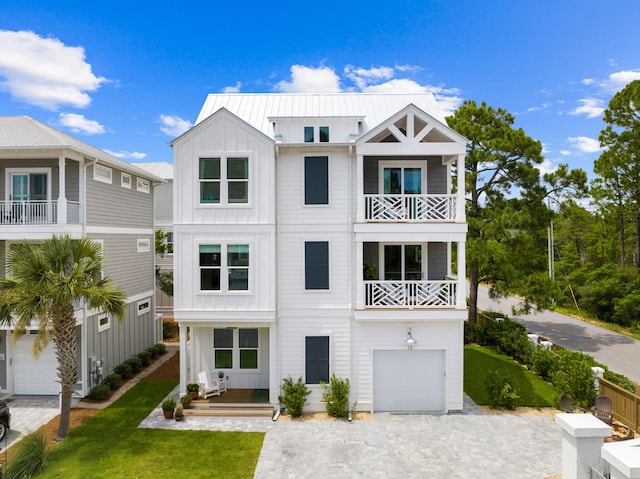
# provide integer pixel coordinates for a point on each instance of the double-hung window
(224, 180)
(224, 267)
(235, 348)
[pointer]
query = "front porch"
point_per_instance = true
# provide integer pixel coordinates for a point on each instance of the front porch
(238, 402)
(39, 212)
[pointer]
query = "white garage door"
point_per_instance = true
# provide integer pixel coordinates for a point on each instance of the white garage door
(31, 375)
(408, 381)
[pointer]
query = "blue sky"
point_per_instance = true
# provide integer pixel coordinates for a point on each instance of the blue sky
(128, 77)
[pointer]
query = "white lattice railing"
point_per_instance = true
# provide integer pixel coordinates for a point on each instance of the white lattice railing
(418, 208)
(410, 294)
(36, 212)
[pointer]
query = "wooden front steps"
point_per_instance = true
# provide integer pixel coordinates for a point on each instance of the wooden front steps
(207, 409)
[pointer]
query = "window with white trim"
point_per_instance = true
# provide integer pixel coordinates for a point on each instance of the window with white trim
(316, 180)
(316, 265)
(223, 180)
(316, 359)
(236, 348)
(143, 185)
(103, 174)
(224, 267)
(144, 245)
(168, 240)
(144, 306)
(104, 323)
(125, 180)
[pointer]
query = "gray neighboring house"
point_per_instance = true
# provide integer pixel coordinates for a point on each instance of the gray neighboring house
(53, 183)
(163, 220)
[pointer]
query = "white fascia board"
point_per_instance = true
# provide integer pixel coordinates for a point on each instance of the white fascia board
(447, 232)
(411, 316)
(39, 232)
(110, 230)
(411, 149)
(224, 316)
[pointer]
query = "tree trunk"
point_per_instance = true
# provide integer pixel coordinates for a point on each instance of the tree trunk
(66, 353)
(622, 248)
(473, 291)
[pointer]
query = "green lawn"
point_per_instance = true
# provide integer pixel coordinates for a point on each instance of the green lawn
(533, 391)
(110, 445)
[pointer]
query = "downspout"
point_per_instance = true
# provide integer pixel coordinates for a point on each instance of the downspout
(350, 262)
(276, 291)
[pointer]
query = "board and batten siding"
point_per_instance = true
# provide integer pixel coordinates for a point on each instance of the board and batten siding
(114, 206)
(121, 340)
(431, 335)
(128, 270)
(224, 135)
(261, 294)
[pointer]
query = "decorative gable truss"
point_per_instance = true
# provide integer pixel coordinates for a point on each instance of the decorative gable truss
(412, 132)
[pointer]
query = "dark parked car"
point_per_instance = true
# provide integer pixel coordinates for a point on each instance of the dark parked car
(5, 419)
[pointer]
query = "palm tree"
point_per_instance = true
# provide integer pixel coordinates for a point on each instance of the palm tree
(43, 282)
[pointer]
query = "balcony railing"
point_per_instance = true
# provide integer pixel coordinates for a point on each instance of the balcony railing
(36, 212)
(410, 294)
(413, 208)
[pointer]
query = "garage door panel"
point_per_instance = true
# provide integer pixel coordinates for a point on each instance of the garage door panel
(31, 375)
(408, 381)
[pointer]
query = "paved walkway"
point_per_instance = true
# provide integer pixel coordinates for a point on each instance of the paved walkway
(433, 446)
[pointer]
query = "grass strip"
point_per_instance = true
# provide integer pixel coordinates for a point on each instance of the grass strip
(533, 391)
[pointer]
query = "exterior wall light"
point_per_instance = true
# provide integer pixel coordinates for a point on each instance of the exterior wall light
(410, 340)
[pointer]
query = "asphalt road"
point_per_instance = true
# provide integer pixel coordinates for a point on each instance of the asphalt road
(620, 353)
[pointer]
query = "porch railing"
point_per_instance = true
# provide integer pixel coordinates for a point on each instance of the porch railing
(415, 208)
(410, 294)
(36, 212)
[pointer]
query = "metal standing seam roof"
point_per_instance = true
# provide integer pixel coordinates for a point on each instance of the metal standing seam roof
(258, 108)
(26, 133)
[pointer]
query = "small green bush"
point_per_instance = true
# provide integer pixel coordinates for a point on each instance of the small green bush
(294, 396)
(100, 392)
(160, 348)
(124, 370)
(544, 363)
(113, 381)
(336, 395)
(169, 404)
(135, 364)
(145, 358)
(620, 380)
(153, 352)
(501, 391)
(574, 377)
(30, 458)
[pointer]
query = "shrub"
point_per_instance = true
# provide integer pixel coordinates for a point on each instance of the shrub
(100, 392)
(620, 380)
(169, 404)
(30, 457)
(501, 391)
(574, 377)
(544, 363)
(294, 396)
(336, 395)
(160, 348)
(113, 381)
(135, 364)
(145, 358)
(124, 370)
(153, 352)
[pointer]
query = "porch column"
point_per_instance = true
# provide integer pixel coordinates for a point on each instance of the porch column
(360, 189)
(460, 214)
(461, 290)
(183, 359)
(62, 188)
(359, 275)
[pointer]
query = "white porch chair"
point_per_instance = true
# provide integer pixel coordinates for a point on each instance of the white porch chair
(208, 387)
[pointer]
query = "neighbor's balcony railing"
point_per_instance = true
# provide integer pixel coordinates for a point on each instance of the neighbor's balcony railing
(36, 212)
(410, 294)
(413, 208)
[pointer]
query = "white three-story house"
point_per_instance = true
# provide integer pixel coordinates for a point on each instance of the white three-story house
(320, 234)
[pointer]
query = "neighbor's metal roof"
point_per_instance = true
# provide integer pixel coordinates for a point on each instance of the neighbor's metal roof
(26, 133)
(258, 108)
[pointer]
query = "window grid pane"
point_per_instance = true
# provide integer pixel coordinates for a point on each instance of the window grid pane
(237, 168)
(248, 359)
(308, 134)
(209, 168)
(223, 359)
(324, 134)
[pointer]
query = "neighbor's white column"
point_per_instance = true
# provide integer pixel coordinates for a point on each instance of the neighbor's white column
(582, 438)
(598, 373)
(623, 458)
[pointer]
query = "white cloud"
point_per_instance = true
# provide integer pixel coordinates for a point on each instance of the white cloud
(565, 152)
(588, 81)
(79, 124)
(584, 144)
(232, 89)
(310, 80)
(44, 71)
(546, 167)
(618, 80)
(544, 106)
(135, 155)
(591, 107)
(363, 76)
(173, 125)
